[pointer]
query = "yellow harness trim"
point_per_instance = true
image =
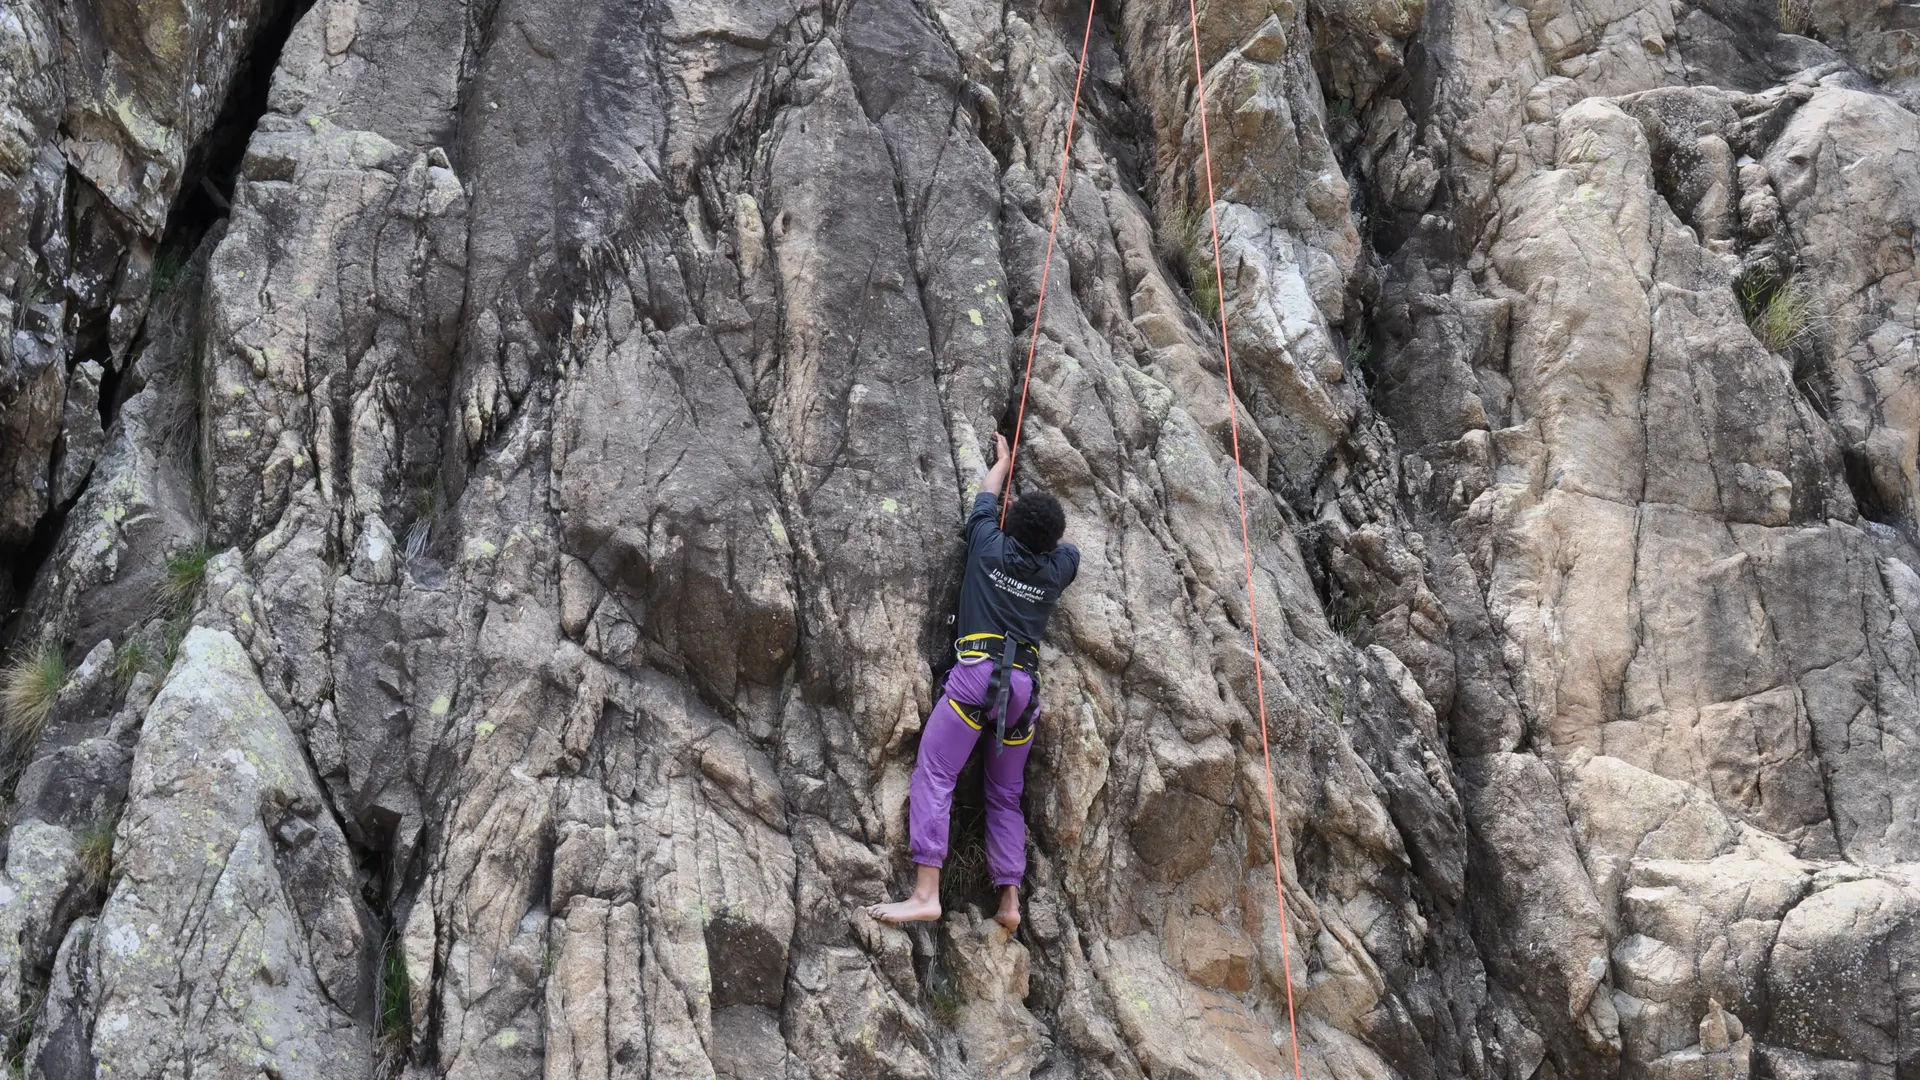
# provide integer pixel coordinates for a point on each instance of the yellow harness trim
(964, 715)
(962, 710)
(978, 654)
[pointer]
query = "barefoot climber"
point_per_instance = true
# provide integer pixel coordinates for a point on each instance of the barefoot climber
(1013, 579)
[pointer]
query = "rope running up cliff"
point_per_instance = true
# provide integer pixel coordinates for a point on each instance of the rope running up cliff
(1239, 473)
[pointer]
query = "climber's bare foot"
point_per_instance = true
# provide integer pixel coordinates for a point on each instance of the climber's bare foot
(914, 908)
(1009, 913)
(922, 906)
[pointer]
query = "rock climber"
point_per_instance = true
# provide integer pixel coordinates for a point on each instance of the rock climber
(1013, 580)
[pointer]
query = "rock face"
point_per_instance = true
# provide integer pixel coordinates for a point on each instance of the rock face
(495, 469)
(234, 937)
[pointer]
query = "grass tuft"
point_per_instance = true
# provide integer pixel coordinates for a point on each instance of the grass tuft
(395, 1013)
(1796, 16)
(96, 853)
(427, 498)
(427, 493)
(945, 1003)
(1360, 347)
(396, 1005)
(28, 689)
(186, 571)
(17, 1041)
(32, 291)
(129, 660)
(170, 639)
(166, 272)
(1205, 292)
(943, 997)
(1186, 237)
(965, 878)
(1780, 314)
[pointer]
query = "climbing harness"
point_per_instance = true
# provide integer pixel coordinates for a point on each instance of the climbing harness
(1027, 660)
(1014, 654)
(1239, 472)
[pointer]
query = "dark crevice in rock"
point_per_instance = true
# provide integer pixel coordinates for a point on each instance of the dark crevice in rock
(118, 382)
(378, 873)
(213, 165)
(207, 184)
(114, 383)
(197, 209)
(1814, 381)
(1870, 496)
(540, 880)
(25, 565)
(1116, 108)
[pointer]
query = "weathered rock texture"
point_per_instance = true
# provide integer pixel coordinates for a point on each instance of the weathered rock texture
(494, 467)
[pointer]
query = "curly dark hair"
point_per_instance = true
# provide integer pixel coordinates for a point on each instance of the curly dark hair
(1037, 521)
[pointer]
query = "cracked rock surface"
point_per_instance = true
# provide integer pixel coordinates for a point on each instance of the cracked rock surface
(479, 488)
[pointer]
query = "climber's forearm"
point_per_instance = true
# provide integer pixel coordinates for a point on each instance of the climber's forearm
(996, 481)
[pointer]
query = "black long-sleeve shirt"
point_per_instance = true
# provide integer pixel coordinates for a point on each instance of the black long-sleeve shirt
(1008, 589)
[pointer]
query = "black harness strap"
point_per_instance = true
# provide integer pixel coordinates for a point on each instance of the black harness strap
(1013, 653)
(999, 690)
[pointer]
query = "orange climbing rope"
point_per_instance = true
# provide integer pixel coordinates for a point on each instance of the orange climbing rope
(1233, 413)
(1040, 306)
(1246, 542)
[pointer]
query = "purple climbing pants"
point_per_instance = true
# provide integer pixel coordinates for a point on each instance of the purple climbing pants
(945, 745)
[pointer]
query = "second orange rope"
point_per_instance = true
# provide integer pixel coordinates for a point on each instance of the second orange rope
(1246, 540)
